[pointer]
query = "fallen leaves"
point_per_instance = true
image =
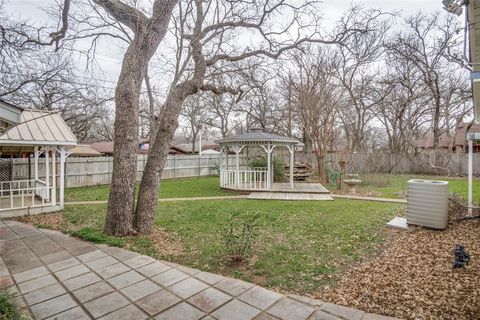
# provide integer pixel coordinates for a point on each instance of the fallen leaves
(413, 277)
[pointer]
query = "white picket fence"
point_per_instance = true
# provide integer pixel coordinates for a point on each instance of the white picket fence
(90, 171)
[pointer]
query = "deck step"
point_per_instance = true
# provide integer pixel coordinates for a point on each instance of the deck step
(288, 196)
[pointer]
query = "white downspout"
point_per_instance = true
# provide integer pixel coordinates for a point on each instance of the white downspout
(470, 175)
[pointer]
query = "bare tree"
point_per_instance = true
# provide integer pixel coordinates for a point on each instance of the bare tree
(195, 114)
(210, 29)
(316, 97)
(428, 44)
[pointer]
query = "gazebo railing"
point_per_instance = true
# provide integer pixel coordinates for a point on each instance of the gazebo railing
(248, 179)
(18, 194)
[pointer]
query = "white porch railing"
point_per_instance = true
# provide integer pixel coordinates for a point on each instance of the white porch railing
(19, 194)
(248, 179)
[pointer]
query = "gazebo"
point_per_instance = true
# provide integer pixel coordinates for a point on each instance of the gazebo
(33, 132)
(240, 176)
(244, 177)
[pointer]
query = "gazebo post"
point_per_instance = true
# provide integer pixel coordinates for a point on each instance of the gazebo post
(237, 166)
(292, 154)
(269, 167)
(54, 177)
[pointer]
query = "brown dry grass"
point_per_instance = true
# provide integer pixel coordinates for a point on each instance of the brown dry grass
(413, 277)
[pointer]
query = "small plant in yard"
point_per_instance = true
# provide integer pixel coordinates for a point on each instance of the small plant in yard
(239, 234)
(8, 309)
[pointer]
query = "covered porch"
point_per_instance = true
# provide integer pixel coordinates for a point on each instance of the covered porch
(42, 137)
(237, 174)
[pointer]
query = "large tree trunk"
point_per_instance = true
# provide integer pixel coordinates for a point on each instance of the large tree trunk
(157, 155)
(122, 193)
(148, 35)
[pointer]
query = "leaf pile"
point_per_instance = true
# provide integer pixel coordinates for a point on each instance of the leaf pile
(413, 277)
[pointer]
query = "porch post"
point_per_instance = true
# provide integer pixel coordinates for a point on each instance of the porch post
(269, 167)
(470, 175)
(47, 172)
(292, 154)
(62, 175)
(237, 166)
(54, 177)
(35, 166)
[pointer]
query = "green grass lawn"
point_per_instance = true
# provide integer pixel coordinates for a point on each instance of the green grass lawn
(178, 188)
(300, 247)
(393, 186)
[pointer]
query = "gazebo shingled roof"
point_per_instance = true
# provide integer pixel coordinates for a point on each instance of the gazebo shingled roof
(257, 136)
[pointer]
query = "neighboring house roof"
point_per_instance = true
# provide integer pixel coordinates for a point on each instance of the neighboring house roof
(205, 145)
(103, 147)
(38, 127)
(427, 142)
(461, 133)
(83, 150)
(107, 148)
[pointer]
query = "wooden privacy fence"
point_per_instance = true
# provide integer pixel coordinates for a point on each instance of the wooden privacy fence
(90, 171)
(440, 163)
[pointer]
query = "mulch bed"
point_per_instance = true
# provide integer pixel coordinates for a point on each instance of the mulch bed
(413, 277)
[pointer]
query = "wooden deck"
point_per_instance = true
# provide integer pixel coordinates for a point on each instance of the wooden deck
(288, 196)
(299, 187)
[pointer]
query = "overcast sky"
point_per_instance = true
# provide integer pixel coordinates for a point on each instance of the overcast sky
(110, 59)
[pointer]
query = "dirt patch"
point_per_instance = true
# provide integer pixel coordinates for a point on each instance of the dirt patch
(54, 221)
(413, 277)
(166, 243)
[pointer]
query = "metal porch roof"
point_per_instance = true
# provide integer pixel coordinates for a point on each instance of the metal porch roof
(39, 128)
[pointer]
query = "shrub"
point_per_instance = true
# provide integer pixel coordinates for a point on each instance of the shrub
(278, 169)
(8, 310)
(239, 234)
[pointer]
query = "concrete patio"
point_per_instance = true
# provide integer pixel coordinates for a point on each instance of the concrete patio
(54, 276)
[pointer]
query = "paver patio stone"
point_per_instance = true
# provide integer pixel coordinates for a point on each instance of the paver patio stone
(169, 277)
(73, 314)
(152, 269)
(236, 310)
(119, 253)
(63, 264)
(71, 272)
(287, 309)
(138, 261)
(157, 302)
(125, 279)
(55, 257)
(140, 289)
(113, 270)
(187, 288)
(209, 300)
(129, 312)
(321, 315)
(188, 270)
(106, 304)
(92, 291)
(36, 283)
(265, 316)
(233, 287)
(6, 282)
(344, 312)
(210, 278)
(81, 281)
(260, 297)
(182, 311)
(92, 255)
(101, 263)
(43, 294)
(53, 306)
